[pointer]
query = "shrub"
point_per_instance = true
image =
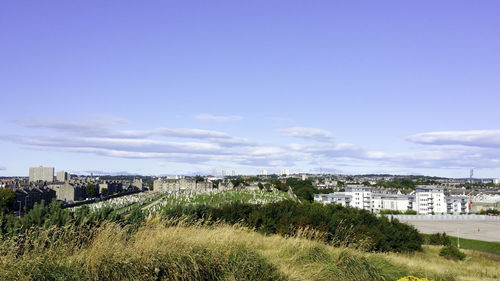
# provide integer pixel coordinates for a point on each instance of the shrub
(452, 253)
(341, 226)
(390, 212)
(438, 239)
(489, 211)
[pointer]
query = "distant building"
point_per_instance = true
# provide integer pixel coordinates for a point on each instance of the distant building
(397, 202)
(284, 172)
(233, 173)
(69, 192)
(136, 184)
(62, 176)
(457, 204)
(429, 200)
(361, 196)
(41, 174)
(335, 198)
(496, 181)
(264, 172)
(27, 197)
(225, 185)
(425, 200)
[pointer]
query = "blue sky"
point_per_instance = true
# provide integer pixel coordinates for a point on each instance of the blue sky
(181, 87)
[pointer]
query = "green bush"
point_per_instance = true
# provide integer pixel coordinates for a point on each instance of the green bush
(342, 226)
(438, 239)
(452, 253)
(489, 211)
(390, 212)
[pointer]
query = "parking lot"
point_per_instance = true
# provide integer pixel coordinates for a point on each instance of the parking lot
(479, 230)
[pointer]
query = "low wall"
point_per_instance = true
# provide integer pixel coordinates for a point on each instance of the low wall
(444, 217)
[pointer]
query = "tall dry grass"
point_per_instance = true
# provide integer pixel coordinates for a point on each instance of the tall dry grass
(181, 250)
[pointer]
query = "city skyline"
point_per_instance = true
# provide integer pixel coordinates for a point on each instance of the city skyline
(178, 88)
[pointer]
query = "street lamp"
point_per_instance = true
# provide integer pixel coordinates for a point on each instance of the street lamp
(19, 208)
(25, 202)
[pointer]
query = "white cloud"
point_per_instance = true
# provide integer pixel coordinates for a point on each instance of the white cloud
(463, 149)
(307, 133)
(102, 129)
(478, 138)
(218, 118)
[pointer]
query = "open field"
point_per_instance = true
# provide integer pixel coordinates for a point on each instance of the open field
(173, 250)
(483, 246)
(477, 230)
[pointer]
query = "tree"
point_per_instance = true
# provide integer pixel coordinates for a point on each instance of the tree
(236, 182)
(199, 178)
(104, 192)
(261, 186)
(7, 198)
(91, 190)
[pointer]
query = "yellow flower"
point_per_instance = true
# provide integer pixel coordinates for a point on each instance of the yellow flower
(413, 278)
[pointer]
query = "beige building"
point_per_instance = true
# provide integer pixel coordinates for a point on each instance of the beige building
(41, 174)
(62, 176)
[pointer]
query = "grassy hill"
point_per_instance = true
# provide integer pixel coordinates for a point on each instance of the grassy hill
(173, 250)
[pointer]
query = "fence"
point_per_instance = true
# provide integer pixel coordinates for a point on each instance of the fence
(445, 218)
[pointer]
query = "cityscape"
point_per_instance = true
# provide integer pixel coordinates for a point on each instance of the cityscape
(423, 196)
(250, 140)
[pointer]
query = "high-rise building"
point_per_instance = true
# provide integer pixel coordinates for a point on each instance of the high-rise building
(41, 174)
(62, 176)
(284, 172)
(264, 172)
(223, 173)
(233, 173)
(215, 172)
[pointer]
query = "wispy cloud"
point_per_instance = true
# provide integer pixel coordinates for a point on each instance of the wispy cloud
(2, 168)
(477, 138)
(307, 133)
(208, 148)
(218, 118)
(105, 130)
(106, 173)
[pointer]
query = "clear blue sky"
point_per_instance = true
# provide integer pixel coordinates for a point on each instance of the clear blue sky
(181, 87)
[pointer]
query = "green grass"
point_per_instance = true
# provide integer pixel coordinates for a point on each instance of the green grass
(478, 245)
(175, 250)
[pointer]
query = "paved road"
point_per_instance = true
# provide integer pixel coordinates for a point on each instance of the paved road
(479, 230)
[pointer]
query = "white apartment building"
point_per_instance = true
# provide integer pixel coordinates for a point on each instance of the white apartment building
(361, 196)
(457, 204)
(425, 200)
(335, 198)
(41, 174)
(397, 202)
(430, 200)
